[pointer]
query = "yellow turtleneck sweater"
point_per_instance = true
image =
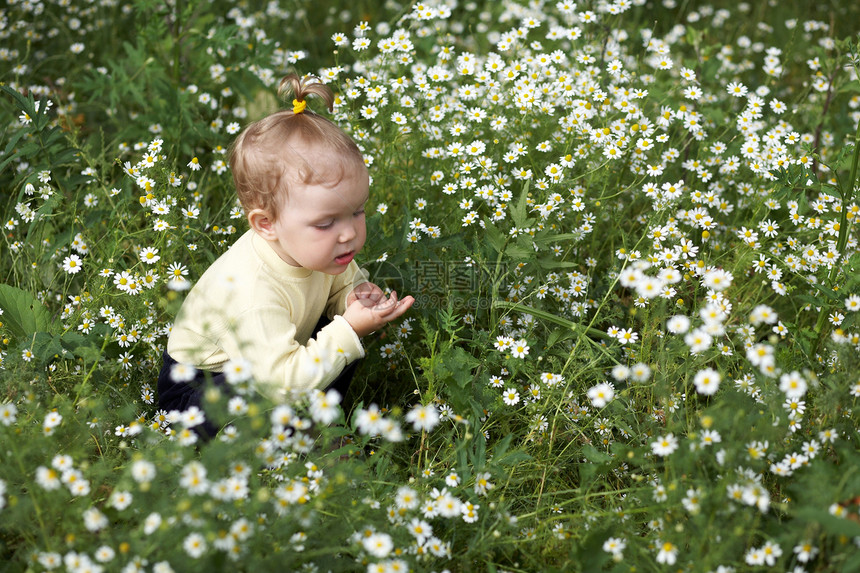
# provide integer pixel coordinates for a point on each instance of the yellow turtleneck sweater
(252, 305)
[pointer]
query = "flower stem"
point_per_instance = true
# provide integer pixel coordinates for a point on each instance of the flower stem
(847, 196)
(587, 330)
(847, 193)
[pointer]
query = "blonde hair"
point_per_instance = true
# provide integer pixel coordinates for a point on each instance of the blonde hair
(281, 146)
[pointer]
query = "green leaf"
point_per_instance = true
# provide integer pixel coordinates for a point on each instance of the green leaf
(26, 104)
(592, 454)
(480, 456)
(558, 335)
(827, 292)
(89, 354)
(503, 457)
(853, 563)
(459, 365)
(555, 264)
(10, 147)
(516, 252)
(547, 238)
(502, 446)
(82, 346)
(830, 523)
(814, 301)
(22, 312)
(512, 458)
(587, 471)
(520, 214)
(590, 554)
(45, 347)
(495, 237)
(67, 156)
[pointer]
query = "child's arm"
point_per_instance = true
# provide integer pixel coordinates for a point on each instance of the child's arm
(371, 310)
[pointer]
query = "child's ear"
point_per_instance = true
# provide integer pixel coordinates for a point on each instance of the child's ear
(260, 221)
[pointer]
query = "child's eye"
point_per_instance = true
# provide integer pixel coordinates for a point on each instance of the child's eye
(359, 212)
(324, 225)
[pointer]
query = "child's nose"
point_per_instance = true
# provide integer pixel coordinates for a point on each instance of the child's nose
(347, 233)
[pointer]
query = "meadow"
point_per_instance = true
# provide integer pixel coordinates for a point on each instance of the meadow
(630, 228)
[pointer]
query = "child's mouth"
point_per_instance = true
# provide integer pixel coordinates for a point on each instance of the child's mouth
(345, 259)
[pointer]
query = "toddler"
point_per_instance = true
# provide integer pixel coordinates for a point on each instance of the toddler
(287, 300)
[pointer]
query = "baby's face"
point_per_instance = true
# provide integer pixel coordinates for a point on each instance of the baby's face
(322, 227)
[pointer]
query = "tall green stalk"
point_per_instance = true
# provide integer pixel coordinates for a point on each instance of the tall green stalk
(847, 193)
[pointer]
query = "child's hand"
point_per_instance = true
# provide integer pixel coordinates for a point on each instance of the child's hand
(367, 314)
(366, 290)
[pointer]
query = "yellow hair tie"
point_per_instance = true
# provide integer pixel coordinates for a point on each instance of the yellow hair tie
(299, 106)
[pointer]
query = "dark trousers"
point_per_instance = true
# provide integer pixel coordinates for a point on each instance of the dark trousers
(182, 395)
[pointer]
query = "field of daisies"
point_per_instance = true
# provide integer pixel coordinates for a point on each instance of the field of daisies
(630, 227)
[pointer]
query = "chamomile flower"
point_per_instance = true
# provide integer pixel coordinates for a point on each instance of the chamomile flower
(601, 394)
(72, 264)
(707, 381)
(519, 349)
(664, 445)
(678, 324)
(423, 418)
(667, 552)
(511, 396)
(149, 255)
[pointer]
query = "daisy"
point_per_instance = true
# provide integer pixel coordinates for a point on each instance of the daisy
(120, 499)
(698, 340)
(668, 553)
(47, 478)
(378, 544)
(324, 406)
(104, 554)
(627, 336)
(423, 418)
(678, 324)
(470, 512)
(237, 371)
(805, 551)
(511, 397)
(664, 445)
(793, 384)
(406, 498)
(711, 437)
(707, 381)
(620, 372)
(94, 519)
(502, 343)
(483, 484)
(420, 529)
(737, 89)
(195, 545)
(143, 471)
(640, 372)
(149, 255)
(520, 349)
(53, 419)
(369, 421)
(615, 546)
(717, 279)
(72, 264)
(601, 394)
